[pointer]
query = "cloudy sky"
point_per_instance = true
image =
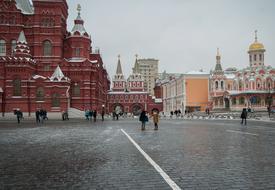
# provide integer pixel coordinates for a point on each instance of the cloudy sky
(182, 34)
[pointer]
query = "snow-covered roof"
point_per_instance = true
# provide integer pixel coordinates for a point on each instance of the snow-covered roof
(131, 92)
(235, 92)
(38, 76)
(75, 59)
(229, 76)
(22, 37)
(25, 6)
(58, 74)
(197, 73)
(79, 28)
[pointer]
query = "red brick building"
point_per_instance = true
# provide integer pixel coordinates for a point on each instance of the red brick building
(129, 96)
(42, 65)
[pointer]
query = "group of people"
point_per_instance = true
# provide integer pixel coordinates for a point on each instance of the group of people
(41, 115)
(143, 118)
(89, 114)
(177, 113)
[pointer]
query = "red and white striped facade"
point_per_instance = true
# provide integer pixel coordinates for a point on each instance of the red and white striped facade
(129, 96)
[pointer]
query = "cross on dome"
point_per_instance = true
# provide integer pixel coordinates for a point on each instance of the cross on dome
(78, 8)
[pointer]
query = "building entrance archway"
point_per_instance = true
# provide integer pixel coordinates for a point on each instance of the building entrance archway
(136, 109)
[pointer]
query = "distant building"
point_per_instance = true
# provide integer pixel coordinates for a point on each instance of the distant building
(148, 68)
(185, 92)
(130, 96)
(42, 64)
(252, 87)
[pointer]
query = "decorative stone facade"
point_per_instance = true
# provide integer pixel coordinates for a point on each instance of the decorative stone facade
(252, 87)
(129, 96)
(42, 65)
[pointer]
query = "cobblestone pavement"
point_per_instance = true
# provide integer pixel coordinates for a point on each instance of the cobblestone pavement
(80, 154)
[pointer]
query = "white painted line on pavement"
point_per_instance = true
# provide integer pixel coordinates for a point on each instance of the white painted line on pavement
(240, 132)
(168, 180)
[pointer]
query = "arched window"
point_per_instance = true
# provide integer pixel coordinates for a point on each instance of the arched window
(55, 100)
(222, 85)
(13, 45)
(250, 58)
(260, 56)
(2, 48)
(228, 87)
(40, 94)
(255, 57)
(216, 85)
(17, 87)
(77, 52)
(76, 90)
(47, 48)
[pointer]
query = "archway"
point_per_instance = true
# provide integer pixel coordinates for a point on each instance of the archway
(118, 109)
(136, 109)
(226, 102)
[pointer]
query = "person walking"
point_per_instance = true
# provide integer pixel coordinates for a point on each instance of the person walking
(143, 118)
(155, 116)
(95, 114)
(19, 115)
(102, 115)
(244, 116)
(37, 116)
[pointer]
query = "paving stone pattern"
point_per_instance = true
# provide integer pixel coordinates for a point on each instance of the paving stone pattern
(80, 154)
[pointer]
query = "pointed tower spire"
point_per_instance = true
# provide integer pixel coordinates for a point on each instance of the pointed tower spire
(57, 74)
(78, 22)
(256, 37)
(118, 69)
(218, 66)
(22, 37)
(22, 49)
(136, 67)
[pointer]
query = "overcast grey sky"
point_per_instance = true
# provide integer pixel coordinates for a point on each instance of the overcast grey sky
(182, 34)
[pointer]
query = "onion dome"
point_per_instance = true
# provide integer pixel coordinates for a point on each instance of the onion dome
(256, 45)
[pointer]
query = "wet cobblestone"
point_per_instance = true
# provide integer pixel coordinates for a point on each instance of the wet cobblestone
(83, 155)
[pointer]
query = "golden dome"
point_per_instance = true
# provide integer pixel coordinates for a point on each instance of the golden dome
(256, 46)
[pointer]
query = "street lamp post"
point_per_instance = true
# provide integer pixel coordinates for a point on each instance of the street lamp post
(269, 101)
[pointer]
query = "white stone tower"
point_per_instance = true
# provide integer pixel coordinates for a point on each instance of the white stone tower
(256, 53)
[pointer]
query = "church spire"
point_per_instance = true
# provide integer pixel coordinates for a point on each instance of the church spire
(118, 69)
(136, 67)
(78, 22)
(256, 37)
(218, 66)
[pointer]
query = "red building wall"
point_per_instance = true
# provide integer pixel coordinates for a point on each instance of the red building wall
(49, 23)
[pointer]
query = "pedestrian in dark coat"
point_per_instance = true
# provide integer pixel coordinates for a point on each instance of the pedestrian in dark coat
(95, 114)
(102, 115)
(244, 116)
(37, 116)
(19, 115)
(143, 118)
